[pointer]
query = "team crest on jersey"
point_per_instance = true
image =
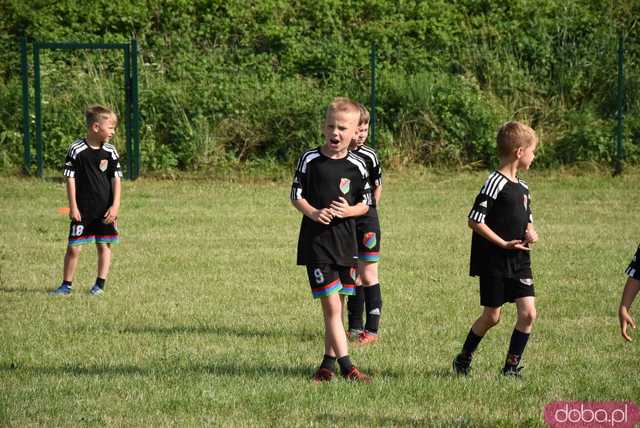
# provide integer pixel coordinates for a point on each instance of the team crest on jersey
(103, 165)
(345, 185)
(369, 240)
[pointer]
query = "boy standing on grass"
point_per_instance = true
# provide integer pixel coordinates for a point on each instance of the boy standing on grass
(368, 235)
(330, 188)
(629, 293)
(92, 172)
(502, 231)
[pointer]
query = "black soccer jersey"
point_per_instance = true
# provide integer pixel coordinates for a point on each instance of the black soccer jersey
(93, 170)
(374, 168)
(633, 270)
(504, 206)
(321, 180)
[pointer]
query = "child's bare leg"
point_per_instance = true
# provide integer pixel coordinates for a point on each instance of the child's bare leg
(490, 318)
(335, 339)
(526, 314)
(71, 258)
(104, 259)
(368, 273)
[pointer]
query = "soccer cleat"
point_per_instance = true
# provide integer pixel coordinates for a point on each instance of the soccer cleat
(323, 375)
(512, 371)
(353, 334)
(96, 290)
(462, 364)
(365, 338)
(63, 290)
(356, 375)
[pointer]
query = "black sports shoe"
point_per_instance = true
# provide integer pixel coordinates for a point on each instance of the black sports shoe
(462, 363)
(512, 371)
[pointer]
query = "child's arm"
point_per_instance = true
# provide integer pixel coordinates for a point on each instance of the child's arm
(629, 293)
(112, 213)
(324, 215)
(377, 194)
(530, 236)
(486, 232)
(74, 212)
(342, 209)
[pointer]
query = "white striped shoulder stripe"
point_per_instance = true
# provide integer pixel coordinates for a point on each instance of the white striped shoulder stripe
(307, 157)
(630, 271)
(523, 183)
(76, 147)
(477, 216)
(111, 149)
(357, 161)
(371, 154)
(494, 185)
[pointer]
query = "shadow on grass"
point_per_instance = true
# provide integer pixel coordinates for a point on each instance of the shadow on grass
(218, 369)
(400, 421)
(23, 290)
(241, 331)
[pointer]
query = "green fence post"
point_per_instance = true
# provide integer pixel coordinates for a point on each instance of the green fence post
(38, 109)
(26, 135)
(135, 113)
(372, 133)
(127, 111)
(620, 125)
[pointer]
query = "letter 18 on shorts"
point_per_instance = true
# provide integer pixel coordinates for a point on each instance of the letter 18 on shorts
(497, 290)
(326, 280)
(96, 231)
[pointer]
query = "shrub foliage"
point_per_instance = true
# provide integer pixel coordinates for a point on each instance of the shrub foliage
(223, 84)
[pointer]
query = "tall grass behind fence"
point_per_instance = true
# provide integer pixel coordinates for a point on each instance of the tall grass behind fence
(226, 86)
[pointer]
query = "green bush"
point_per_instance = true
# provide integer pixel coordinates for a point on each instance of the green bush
(230, 84)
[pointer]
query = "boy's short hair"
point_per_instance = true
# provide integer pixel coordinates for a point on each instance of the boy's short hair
(513, 135)
(343, 104)
(97, 113)
(364, 114)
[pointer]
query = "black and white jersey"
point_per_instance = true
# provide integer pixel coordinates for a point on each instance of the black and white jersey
(92, 170)
(633, 270)
(321, 180)
(374, 167)
(505, 207)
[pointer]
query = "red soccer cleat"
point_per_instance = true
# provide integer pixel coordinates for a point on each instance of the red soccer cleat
(367, 338)
(323, 375)
(356, 375)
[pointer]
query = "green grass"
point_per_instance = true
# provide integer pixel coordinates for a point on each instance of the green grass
(208, 321)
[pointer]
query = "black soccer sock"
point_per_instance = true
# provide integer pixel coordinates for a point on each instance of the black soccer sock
(328, 363)
(516, 347)
(67, 283)
(471, 343)
(100, 282)
(355, 307)
(373, 302)
(345, 364)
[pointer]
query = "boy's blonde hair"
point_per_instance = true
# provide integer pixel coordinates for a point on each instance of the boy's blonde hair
(364, 115)
(513, 135)
(97, 113)
(343, 104)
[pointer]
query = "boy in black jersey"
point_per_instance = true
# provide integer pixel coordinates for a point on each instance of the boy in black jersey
(502, 231)
(368, 235)
(92, 172)
(330, 188)
(629, 293)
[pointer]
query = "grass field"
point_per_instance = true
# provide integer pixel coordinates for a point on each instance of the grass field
(208, 321)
